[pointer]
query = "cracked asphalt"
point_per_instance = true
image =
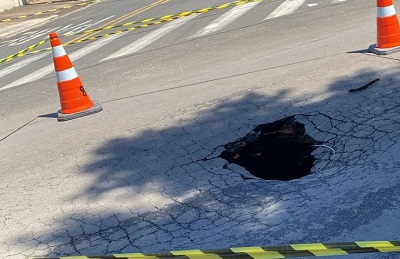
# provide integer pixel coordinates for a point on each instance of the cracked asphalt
(134, 178)
(151, 190)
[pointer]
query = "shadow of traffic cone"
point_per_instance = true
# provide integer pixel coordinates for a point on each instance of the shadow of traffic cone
(75, 102)
(388, 29)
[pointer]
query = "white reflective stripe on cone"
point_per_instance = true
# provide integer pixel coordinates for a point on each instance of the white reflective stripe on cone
(59, 51)
(66, 75)
(386, 11)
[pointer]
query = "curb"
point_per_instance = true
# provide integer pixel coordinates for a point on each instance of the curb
(49, 1)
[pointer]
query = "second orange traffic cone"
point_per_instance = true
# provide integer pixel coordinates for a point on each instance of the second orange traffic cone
(388, 29)
(75, 102)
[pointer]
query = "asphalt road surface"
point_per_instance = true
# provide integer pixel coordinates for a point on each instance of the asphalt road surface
(134, 178)
(189, 28)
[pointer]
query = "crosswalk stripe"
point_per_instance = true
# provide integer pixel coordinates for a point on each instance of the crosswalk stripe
(73, 56)
(225, 19)
(287, 7)
(21, 64)
(150, 38)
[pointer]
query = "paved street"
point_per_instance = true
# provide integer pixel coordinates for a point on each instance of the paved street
(117, 45)
(144, 175)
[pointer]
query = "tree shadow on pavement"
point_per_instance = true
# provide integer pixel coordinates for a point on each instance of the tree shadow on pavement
(166, 189)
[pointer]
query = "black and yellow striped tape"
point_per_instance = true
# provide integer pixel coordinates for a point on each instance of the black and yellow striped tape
(167, 18)
(84, 40)
(54, 10)
(140, 24)
(22, 52)
(266, 252)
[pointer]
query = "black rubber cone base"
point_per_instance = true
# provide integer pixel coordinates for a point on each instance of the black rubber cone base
(66, 117)
(379, 51)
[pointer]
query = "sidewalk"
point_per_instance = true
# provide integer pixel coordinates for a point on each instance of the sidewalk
(38, 13)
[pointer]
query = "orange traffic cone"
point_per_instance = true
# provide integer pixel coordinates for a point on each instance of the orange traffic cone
(388, 29)
(75, 102)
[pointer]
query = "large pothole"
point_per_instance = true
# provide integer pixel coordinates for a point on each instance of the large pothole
(280, 150)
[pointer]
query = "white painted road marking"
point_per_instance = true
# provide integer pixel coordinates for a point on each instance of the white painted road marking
(150, 38)
(81, 27)
(74, 56)
(21, 64)
(287, 7)
(68, 29)
(225, 19)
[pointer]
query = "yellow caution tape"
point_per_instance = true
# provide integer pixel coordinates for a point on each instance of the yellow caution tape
(262, 252)
(166, 18)
(48, 11)
(140, 24)
(22, 52)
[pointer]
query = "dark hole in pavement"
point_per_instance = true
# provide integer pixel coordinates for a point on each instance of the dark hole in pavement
(280, 150)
